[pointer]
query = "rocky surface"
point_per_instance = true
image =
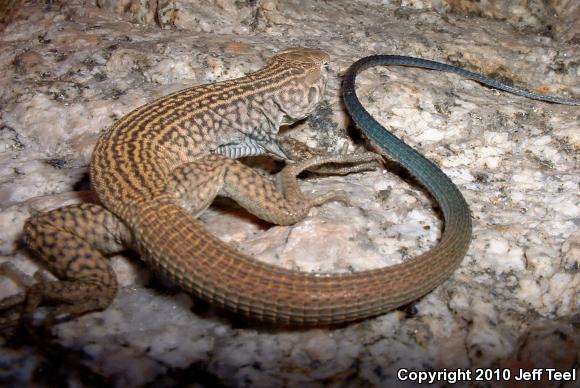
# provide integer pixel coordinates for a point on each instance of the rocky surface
(71, 70)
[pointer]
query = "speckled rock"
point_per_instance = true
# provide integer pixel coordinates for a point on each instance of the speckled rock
(70, 69)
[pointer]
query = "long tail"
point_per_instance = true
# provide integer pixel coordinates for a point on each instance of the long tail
(177, 245)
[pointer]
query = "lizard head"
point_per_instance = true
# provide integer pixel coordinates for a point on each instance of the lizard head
(303, 88)
(305, 56)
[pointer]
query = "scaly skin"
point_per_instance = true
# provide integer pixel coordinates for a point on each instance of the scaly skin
(161, 165)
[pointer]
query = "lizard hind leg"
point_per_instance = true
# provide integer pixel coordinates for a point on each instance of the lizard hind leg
(72, 242)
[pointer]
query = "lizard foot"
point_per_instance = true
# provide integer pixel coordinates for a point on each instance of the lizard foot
(75, 298)
(11, 306)
(72, 299)
(299, 152)
(341, 164)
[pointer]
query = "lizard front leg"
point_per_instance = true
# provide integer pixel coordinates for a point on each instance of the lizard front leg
(72, 242)
(278, 201)
(292, 150)
(298, 151)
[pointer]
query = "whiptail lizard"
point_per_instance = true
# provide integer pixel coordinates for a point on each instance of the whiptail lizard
(161, 165)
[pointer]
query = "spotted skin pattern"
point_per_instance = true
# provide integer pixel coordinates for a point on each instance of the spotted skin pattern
(73, 242)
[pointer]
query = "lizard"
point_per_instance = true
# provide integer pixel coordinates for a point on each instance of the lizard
(157, 168)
